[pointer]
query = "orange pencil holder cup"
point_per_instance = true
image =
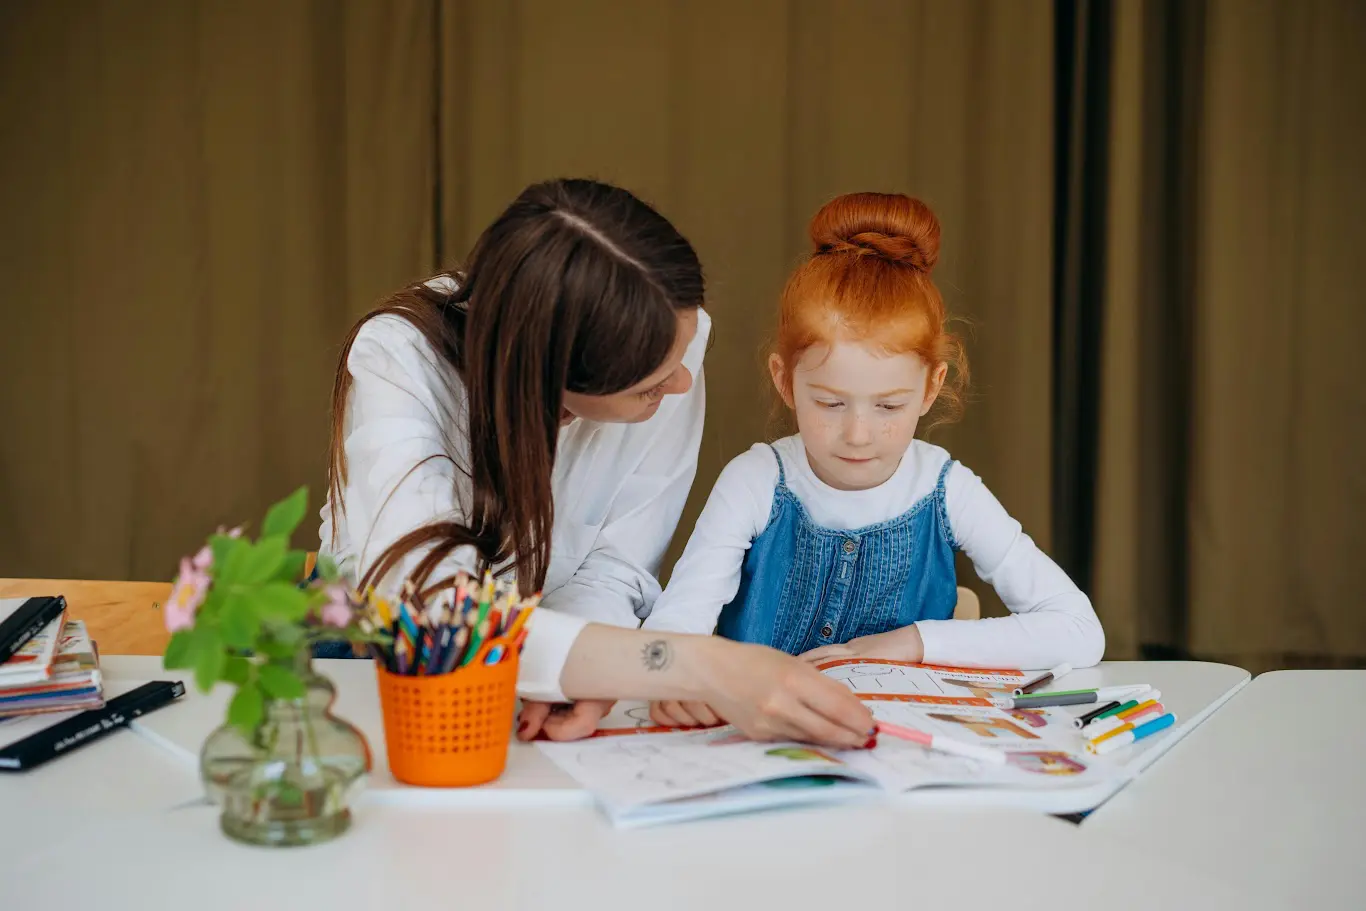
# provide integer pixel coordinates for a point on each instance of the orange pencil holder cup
(449, 730)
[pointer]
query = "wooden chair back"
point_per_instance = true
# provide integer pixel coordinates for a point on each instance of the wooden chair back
(122, 617)
(969, 606)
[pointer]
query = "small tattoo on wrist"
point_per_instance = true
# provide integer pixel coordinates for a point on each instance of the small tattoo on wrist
(656, 655)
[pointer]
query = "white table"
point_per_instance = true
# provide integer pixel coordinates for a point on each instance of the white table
(122, 815)
(1271, 792)
(566, 859)
(1191, 689)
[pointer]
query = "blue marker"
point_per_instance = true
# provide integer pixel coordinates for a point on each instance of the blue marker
(1109, 744)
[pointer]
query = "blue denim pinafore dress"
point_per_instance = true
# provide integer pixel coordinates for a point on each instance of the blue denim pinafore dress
(805, 586)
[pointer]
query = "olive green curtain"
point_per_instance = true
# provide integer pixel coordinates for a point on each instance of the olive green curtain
(196, 200)
(1232, 498)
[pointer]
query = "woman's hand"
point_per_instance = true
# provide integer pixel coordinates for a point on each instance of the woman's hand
(895, 645)
(672, 713)
(574, 721)
(769, 695)
(765, 693)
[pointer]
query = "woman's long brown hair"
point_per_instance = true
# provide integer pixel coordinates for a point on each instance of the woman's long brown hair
(576, 286)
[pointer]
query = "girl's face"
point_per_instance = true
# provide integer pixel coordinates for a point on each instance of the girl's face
(641, 401)
(857, 408)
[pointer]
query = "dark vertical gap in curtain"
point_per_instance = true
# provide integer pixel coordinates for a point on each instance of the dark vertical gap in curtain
(1084, 51)
(438, 98)
(1173, 90)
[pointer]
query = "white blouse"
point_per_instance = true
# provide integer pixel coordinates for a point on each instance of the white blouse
(1051, 620)
(619, 489)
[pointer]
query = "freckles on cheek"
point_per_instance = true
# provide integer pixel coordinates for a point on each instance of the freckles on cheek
(889, 430)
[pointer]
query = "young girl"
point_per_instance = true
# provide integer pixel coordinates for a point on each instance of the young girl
(838, 542)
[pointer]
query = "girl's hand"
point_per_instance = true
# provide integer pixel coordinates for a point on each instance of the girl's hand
(896, 645)
(770, 696)
(674, 714)
(574, 721)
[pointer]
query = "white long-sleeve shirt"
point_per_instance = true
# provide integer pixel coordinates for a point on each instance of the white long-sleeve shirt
(619, 489)
(1051, 620)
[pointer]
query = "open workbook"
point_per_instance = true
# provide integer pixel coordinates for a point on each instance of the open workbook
(643, 775)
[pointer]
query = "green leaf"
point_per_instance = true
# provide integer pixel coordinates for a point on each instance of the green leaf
(246, 709)
(209, 658)
(292, 570)
(240, 621)
(179, 651)
(262, 561)
(327, 568)
(283, 602)
(286, 515)
(273, 648)
(229, 555)
(284, 640)
(280, 682)
(210, 611)
(237, 670)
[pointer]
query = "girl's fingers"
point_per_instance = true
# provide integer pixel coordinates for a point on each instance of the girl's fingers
(679, 713)
(577, 723)
(703, 713)
(533, 718)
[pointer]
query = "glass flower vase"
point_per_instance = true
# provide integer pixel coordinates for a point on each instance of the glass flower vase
(291, 781)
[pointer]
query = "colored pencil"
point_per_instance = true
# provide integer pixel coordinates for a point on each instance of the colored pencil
(449, 627)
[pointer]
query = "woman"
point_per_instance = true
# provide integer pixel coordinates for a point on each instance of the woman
(538, 413)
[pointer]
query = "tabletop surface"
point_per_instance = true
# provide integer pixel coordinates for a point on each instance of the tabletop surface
(1271, 790)
(1192, 690)
(172, 856)
(128, 813)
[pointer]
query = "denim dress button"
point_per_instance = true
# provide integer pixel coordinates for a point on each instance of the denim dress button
(826, 631)
(850, 545)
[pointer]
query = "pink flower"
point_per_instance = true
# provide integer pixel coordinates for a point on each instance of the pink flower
(337, 610)
(188, 593)
(204, 559)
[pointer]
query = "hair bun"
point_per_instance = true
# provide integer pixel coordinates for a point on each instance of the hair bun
(895, 227)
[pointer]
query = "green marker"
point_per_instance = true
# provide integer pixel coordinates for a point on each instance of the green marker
(1123, 707)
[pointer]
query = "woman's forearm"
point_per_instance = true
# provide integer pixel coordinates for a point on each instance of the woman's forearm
(610, 662)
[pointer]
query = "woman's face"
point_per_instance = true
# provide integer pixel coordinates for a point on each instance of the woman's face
(641, 401)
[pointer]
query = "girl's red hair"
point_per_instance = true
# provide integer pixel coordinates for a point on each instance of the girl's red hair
(868, 279)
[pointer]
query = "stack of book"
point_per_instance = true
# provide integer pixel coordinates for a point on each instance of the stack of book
(47, 663)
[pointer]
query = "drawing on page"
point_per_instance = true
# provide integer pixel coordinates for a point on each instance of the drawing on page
(863, 677)
(887, 678)
(626, 717)
(640, 714)
(981, 689)
(1045, 763)
(986, 726)
(677, 767)
(1035, 718)
(638, 758)
(801, 754)
(728, 739)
